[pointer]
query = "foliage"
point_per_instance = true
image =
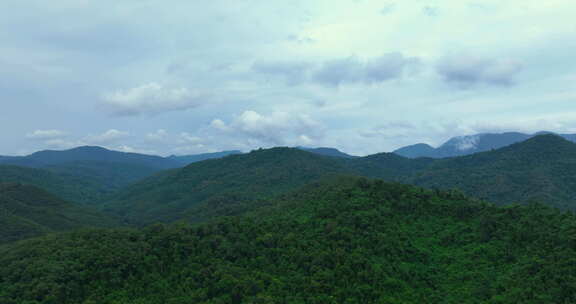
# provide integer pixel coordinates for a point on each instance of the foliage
(347, 241)
(539, 169)
(27, 211)
(248, 178)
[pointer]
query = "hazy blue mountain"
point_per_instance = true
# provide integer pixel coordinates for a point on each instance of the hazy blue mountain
(327, 152)
(415, 151)
(470, 144)
(464, 145)
(94, 153)
(188, 159)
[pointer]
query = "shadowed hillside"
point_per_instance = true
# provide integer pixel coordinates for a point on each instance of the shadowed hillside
(251, 177)
(27, 211)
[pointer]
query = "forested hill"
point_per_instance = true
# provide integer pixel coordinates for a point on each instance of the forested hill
(542, 169)
(350, 241)
(72, 187)
(470, 144)
(221, 183)
(84, 174)
(188, 159)
(91, 153)
(327, 152)
(27, 211)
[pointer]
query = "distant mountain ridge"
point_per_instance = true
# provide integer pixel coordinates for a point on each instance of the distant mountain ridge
(89, 174)
(174, 194)
(46, 158)
(327, 152)
(538, 169)
(470, 144)
(89, 153)
(188, 159)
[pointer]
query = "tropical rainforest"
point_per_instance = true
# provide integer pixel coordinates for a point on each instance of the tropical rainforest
(286, 225)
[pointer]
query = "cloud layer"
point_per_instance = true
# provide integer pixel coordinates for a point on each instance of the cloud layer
(466, 70)
(151, 98)
(364, 76)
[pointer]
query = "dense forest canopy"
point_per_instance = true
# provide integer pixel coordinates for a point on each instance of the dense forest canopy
(345, 241)
(285, 225)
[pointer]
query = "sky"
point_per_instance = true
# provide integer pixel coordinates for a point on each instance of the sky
(188, 77)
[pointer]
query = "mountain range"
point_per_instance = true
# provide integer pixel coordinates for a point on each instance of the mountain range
(290, 225)
(539, 169)
(89, 174)
(470, 144)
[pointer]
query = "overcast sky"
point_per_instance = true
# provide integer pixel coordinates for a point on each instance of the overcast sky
(188, 77)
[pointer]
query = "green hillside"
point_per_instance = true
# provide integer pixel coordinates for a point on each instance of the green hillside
(27, 211)
(107, 176)
(83, 174)
(87, 182)
(72, 187)
(224, 184)
(349, 241)
(540, 169)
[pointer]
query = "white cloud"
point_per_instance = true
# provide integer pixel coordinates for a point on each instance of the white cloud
(45, 134)
(157, 136)
(277, 128)
(59, 143)
(219, 125)
(279, 57)
(110, 136)
(130, 149)
(151, 98)
(467, 142)
(187, 138)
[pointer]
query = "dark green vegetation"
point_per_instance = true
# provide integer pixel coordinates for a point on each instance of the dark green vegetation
(89, 174)
(261, 228)
(73, 187)
(84, 174)
(539, 169)
(27, 211)
(223, 186)
(348, 241)
(466, 145)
